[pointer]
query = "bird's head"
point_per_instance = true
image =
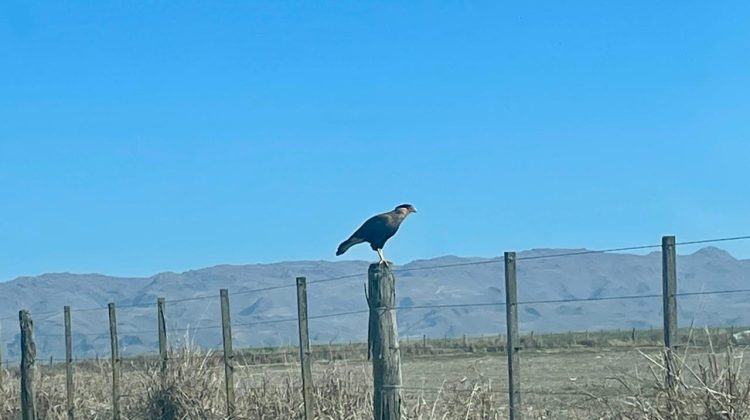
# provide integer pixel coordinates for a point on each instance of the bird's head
(405, 209)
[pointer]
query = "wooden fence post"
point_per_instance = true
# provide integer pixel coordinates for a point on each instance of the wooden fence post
(511, 320)
(304, 347)
(669, 289)
(226, 331)
(1, 356)
(28, 367)
(69, 387)
(382, 342)
(115, 362)
(162, 341)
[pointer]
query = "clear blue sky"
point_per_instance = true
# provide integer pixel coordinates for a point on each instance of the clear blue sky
(144, 137)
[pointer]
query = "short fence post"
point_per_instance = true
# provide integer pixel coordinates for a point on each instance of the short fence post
(304, 347)
(511, 320)
(226, 330)
(162, 341)
(669, 286)
(28, 367)
(382, 342)
(115, 362)
(69, 386)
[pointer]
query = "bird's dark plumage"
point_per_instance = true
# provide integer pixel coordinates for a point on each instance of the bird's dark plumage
(378, 229)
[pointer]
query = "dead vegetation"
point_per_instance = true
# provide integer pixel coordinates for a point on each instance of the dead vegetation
(194, 389)
(709, 385)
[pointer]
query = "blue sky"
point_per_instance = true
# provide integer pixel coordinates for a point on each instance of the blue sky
(144, 137)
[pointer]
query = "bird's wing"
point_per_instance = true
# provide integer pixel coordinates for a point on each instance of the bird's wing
(374, 227)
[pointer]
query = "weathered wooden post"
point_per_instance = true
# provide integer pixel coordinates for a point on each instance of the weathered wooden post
(304, 347)
(28, 367)
(162, 341)
(115, 353)
(1, 356)
(69, 387)
(669, 289)
(511, 320)
(226, 331)
(383, 343)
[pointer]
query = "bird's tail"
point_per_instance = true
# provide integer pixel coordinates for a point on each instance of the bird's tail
(348, 244)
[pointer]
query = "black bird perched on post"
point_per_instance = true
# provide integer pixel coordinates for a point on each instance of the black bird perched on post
(378, 229)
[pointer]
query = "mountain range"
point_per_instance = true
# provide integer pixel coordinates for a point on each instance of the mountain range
(267, 317)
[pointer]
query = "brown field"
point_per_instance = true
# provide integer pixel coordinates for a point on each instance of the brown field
(563, 377)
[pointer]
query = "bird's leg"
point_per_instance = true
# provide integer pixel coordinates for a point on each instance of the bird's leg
(382, 258)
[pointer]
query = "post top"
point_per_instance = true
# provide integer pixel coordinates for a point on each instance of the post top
(668, 240)
(381, 267)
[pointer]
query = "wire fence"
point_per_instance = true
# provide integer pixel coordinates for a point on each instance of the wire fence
(132, 334)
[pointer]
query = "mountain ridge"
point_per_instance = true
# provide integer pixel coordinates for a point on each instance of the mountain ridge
(442, 280)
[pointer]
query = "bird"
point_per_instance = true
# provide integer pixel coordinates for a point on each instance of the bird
(377, 230)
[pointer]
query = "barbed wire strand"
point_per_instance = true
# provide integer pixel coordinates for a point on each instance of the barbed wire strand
(708, 241)
(591, 299)
(713, 292)
(587, 252)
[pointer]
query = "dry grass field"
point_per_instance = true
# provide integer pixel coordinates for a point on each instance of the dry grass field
(580, 381)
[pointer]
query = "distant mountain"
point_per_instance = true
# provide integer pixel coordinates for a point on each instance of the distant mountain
(582, 276)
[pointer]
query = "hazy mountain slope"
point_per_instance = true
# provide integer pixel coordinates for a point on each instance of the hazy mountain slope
(584, 276)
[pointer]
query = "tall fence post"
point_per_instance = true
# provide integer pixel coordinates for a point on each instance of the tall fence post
(304, 347)
(28, 367)
(669, 286)
(511, 320)
(382, 341)
(69, 387)
(226, 330)
(115, 362)
(1, 356)
(162, 341)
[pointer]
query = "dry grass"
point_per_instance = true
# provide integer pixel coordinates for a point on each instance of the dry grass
(710, 386)
(194, 389)
(563, 384)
